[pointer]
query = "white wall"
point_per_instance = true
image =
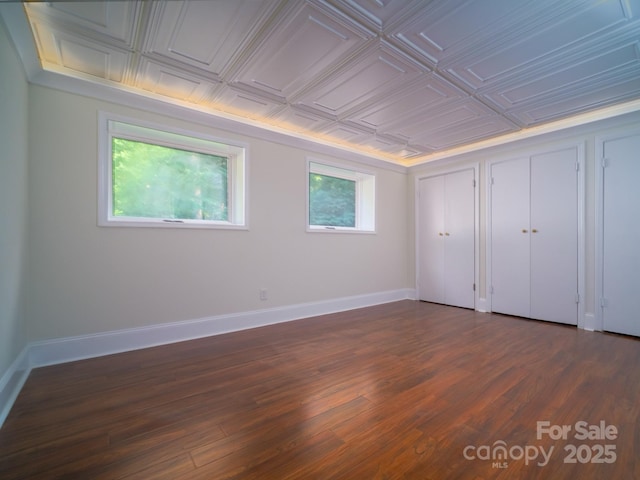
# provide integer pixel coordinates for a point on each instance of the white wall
(87, 279)
(13, 205)
(585, 135)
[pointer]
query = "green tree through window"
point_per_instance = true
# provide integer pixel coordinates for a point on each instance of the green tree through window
(332, 201)
(154, 181)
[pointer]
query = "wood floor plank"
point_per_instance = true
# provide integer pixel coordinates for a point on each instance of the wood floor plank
(405, 390)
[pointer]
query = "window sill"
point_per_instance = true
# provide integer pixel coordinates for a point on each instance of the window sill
(339, 230)
(155, 223)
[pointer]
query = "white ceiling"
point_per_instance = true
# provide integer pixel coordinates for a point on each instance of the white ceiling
(400, 79)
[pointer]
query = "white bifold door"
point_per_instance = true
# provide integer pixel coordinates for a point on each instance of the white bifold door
(446, 239)
(620, 230)
(534, 236)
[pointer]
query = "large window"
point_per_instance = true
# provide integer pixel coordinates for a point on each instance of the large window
(340, 199)
(153, 177)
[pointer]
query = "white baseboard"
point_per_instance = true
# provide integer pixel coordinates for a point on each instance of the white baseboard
(589, 323)
(481, 306)
(61, 350)
(12, 382)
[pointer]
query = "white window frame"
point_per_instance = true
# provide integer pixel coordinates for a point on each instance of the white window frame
(110, 125)
(365, 196)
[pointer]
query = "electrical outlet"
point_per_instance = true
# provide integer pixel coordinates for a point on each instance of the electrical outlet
(263, 294)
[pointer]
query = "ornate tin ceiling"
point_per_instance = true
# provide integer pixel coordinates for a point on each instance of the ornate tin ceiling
(400, 79)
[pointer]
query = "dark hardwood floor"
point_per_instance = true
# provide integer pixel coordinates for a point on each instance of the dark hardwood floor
(405, 390)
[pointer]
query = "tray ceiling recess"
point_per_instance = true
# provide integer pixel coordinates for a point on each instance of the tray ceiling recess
(404, 81)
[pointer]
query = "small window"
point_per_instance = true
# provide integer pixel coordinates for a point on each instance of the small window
(152, 177)
(340, 199)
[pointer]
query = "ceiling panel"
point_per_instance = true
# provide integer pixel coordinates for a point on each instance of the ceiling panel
(398, 79)
(378, 14)
(300, 120)
(385, 143)
(600, 68)
(172, 82)
(80, 55)
(115, 20)
(377, 72)
(306, 42)
(247, 102)
(474, 130)
(536, 47)
(579, 101)
(349, 133)
(204, 34)
(419, 97)
(458, 123)
(445, 31)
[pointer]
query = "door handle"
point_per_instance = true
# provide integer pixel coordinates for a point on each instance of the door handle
(524, 230)
(534, 231)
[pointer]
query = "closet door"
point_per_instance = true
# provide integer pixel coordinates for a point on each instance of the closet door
(459, 240)
(534, 236)
(510, 241)
(431, 238)
(621, 236)
(446, 236)
(554, 236)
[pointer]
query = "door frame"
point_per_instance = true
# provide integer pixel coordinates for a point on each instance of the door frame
(600, 140)
(581, 234)
(475, 168)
